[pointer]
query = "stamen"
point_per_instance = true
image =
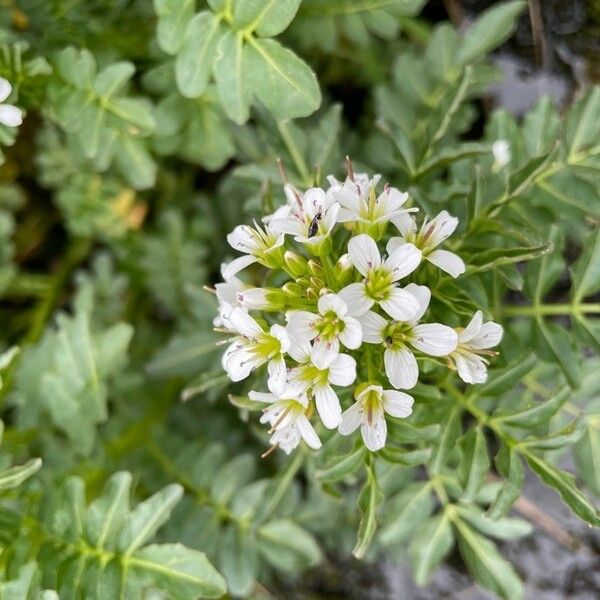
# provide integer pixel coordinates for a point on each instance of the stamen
(349, 169)
(208, 289)
(271, 449)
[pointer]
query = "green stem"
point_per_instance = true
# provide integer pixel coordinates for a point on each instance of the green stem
(549, 310)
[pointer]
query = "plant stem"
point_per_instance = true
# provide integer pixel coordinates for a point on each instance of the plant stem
(549, 310)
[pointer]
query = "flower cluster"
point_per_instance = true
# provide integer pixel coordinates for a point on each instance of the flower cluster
(335, 318)
(10, 115)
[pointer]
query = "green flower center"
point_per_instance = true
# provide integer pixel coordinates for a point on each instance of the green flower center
(397, 334)
(378, 284)
(266, 346)
(329, 326)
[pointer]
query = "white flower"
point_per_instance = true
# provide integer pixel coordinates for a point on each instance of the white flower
(227, 298)
(378, 286)
(473, 341)
(428, 238)
(288, 420)
(309, 219)
(368, 413)
(260, 244)
(398, 336)
(360, 204)
(255, 347)
(308, 377)
(501, 153)
(328, 329)
(10, 115)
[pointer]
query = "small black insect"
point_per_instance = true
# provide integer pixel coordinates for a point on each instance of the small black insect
(314, 225)
(389, 340)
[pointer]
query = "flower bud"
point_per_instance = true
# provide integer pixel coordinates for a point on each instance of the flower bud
(292, 290)
(270, 299)
(295, 263)
(317, 283)
(314, 268)
(312, 295)
(343, 270)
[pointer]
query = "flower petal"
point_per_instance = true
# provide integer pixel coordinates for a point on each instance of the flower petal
(356, 299)
(10, 115)
(328, 406)
(391, 199)
(5, 89)
(352, 334)
(489, 336)
(472, 329)
(400, 305)
(281, 335)
(447, 261)
(235, 266)
(373, 326)
(332, 302)
(342, 371)
(243, 323)
(434, 339)
(277, 376)
(315, 202)
(308, 433)
(239, 364)
(261, 396)
(401, 368)
(397, 404)
(301, 325)
(364, 253)
(442, 226)
(374, 433)
(406, 225)
(351, 419)
(324, 352)
(423, 295)
(471, 368)
(403, 261)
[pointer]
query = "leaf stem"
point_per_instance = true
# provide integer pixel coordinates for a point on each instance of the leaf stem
(549, 310)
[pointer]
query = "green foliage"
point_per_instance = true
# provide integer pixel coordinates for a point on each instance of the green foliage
(151, 131)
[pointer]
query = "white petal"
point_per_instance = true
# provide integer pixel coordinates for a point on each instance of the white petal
(277, 376)
(235, 266)
(471, 368)
(352, 335)
(377, 389)
(308, 433)
(281, 335)
(328, 406)
(423, 295)
(342, 371)
(400, 305)
(364, 253)
(394, 243)
(252, 298)
(489, 336)
(243, 323)
(261, 396)
(314, 202)
(373, 326)
(348, 199)
(345, 216)
(299, 350)
(330, 217)
(241, 239)
(332, 302)
(403, 261)
(239, 364)
(391, 199)
(406, 225)
(356, 299)
(324, 352)
(442, 227)
(401, 368)
(434, 339)
(351, 419)
(472, 329)
(10, 115)
(5, 89)
(291, 194)
(374, 433)
(290, 225)
(397, 404)
(301, 325)
(447, 261)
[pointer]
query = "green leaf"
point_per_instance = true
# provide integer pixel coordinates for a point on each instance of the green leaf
(266, 18)
(194, 63)
(14, 476)
(583, 122)
(231, 75)
(490, 30)
(521, 180)
(543, 273)
(238, 560)
(178, 571)
(287, 546)
(280, 80)
(567, 188)
(341, 466)
(540, 127)
(451, 429)
(564, 484)
(135, 162)
(586, 331)
(401, 456)
(173, 19)
(501, 529)
(587, 454)
(431, 544)
(485, 563)
(474, 464)
(147, 518)
(509, 465)
(493, 258)
(555, 345)
(406, 512)
(113, 78)
(586, 271)
(564, 437)
(370, 498)
(535, 415)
